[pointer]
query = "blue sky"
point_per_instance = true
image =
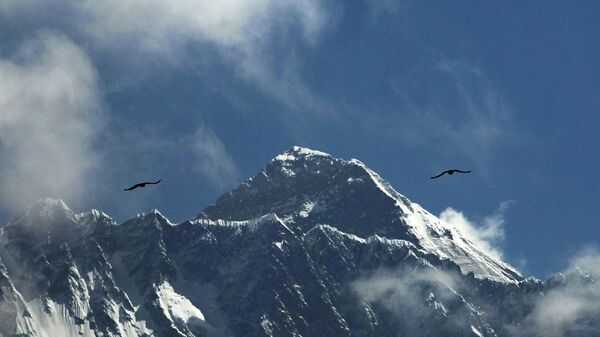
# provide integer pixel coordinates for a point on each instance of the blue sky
(96, 95)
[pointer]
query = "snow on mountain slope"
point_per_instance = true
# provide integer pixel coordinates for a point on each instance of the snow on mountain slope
(62, 276)
(14, 314)
(306, 187)
(176, 307)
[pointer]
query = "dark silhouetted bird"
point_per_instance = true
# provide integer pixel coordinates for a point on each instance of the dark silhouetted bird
(141, 185)
(450, 172)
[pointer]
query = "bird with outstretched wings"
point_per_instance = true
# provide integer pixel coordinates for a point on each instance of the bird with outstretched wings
(450, 172)
(142, 185)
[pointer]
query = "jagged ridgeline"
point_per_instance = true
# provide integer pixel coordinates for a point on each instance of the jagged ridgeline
(311, 246)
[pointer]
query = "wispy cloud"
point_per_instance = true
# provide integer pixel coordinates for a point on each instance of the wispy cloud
(404, 295)
(161, 25)
(486, 234)
(146, 152)
(571, 304)
(240, 33)
(413, 297)
(465, 115)
(213, 160)
(485, 112)
(379, 8)
(50, 115)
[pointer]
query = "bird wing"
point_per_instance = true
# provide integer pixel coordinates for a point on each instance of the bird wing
(439, 175)
(462, 171)
(132, 187)
(151, 183)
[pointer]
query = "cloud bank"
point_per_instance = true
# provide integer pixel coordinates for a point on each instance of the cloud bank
(50, 116)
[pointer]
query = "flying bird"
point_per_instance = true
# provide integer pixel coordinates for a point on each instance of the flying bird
(141, 185)
(450, 172)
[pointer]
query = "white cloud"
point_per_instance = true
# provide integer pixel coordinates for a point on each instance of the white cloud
(401, 293)
(394, 289)
(156, 25)
(242, 33)
(49, 116)
(486, 234)
(414, 296)
(213, 160)
(572, 307)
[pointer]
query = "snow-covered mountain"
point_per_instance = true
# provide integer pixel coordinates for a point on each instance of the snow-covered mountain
(311, 246)
(306, 187)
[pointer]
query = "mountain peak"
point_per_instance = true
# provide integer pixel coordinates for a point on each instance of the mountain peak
(305, 187)
(47, 209)
(49, 206)
(300, 180)
(46, 220)
(298, 152)
(153, 219)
